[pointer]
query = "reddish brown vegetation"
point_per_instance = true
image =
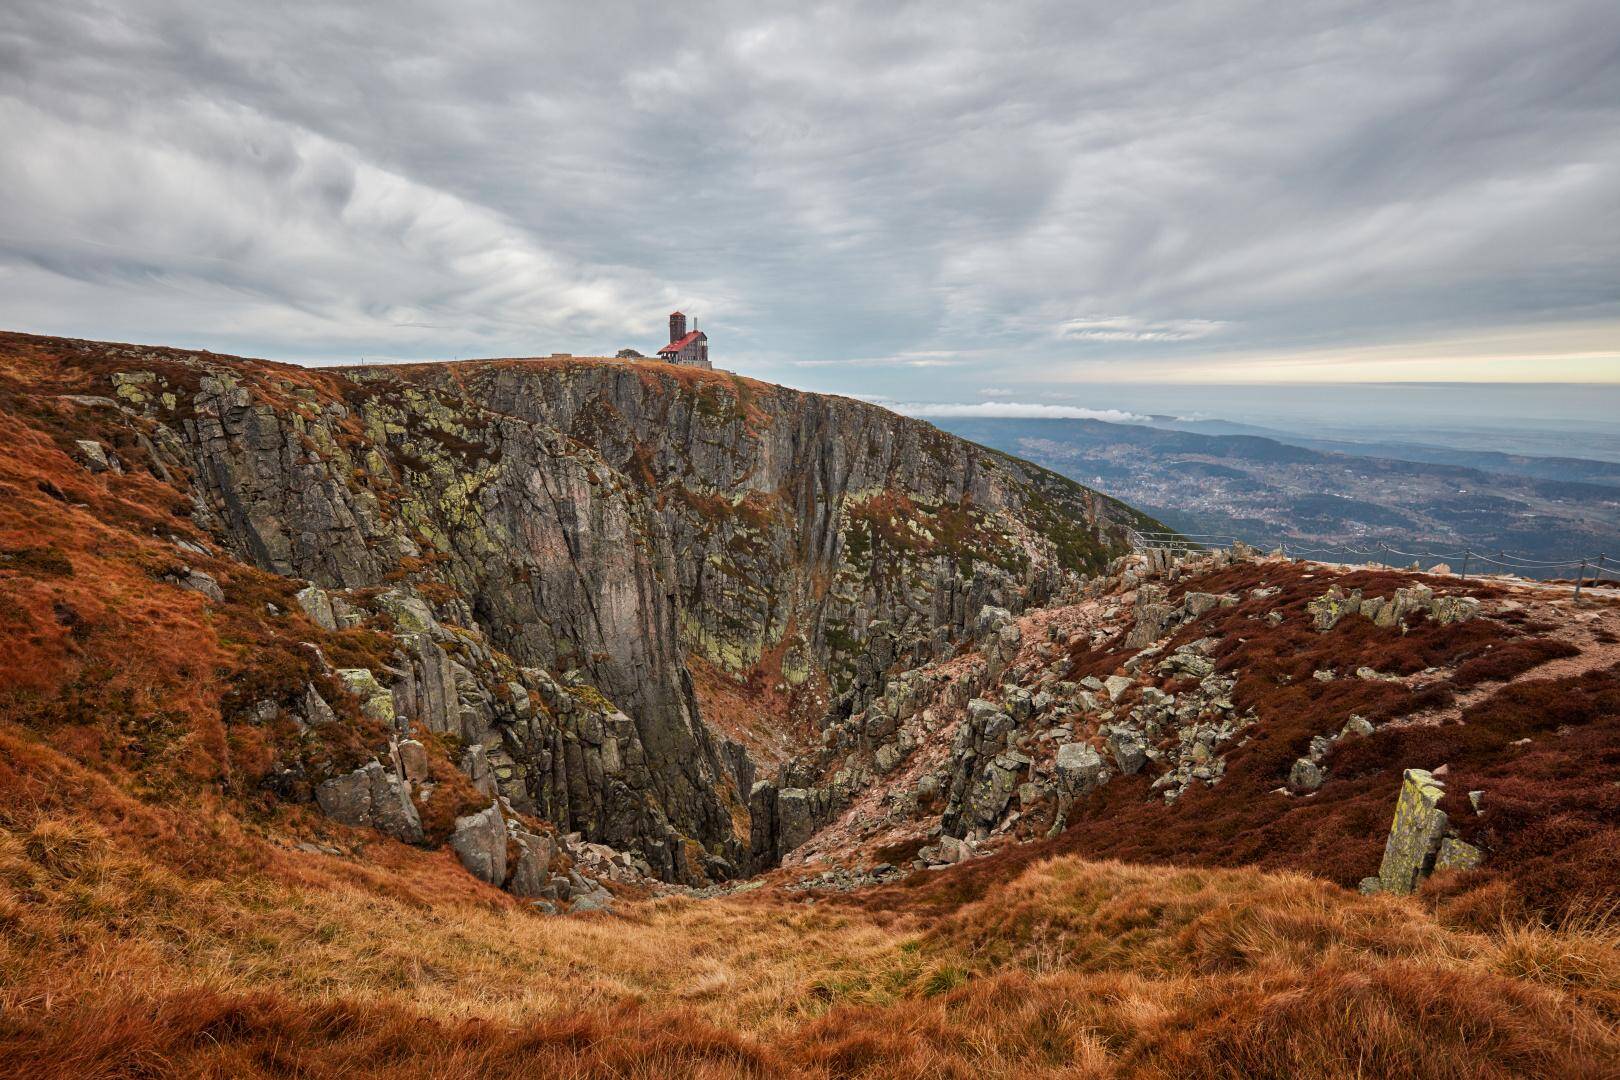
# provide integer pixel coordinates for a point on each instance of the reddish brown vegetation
(760, 710)
(1552, 805)
(106, 659)
(1550, 808)
(1510, 660)
(154, 920)
(1067, 969)
(206, 1033)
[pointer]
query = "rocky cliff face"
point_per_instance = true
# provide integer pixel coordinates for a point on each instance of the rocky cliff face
(551, 544)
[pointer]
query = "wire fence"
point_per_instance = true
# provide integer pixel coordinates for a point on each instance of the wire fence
(1594, 568)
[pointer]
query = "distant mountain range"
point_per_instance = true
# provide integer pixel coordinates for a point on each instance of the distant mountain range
(1548, 468)
(1270, 487)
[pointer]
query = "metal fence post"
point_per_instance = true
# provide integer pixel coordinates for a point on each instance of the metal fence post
(1579, 580)
(1467, 554)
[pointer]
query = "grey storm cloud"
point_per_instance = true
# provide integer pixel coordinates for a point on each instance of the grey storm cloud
(892, 198)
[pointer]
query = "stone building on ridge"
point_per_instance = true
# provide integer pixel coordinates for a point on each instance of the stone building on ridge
(691, 349)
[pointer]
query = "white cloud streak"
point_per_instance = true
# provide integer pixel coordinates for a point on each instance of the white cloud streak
(1129, 328)
(1014, 409)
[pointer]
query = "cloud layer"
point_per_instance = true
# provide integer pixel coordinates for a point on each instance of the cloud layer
(918, 200)
(989, 409)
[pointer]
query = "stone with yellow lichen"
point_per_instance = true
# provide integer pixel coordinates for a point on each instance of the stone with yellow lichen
(1415, 834)
(1458, 854)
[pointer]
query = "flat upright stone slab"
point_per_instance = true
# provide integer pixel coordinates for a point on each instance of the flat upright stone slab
(795, 822)
(1415, 834)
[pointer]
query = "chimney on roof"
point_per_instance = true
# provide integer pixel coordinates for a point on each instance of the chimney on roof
(677, 325)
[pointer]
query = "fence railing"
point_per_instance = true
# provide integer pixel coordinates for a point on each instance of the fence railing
(1585, 569)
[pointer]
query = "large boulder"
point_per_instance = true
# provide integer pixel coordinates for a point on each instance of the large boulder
(1079, 767)
(375, 699)
(313, 710)
(880, 723)
(987, 722)
(1185, 661)
(990, 620)
(531, 876)
(199, 582)
(475, 764)
(1001, 648)
(996, 785)
(479, 841)
(1129, 750)
(316, 603)
(1413, 600)
(1153, 621)
(1305, 777)
(93, 455)
(372, 796)
(1020, 703)
(410, 612)
(795, 821)
(1357, 726)
(346, 798)
(1454, 609)
(1196, 604)
(1456, 854)
(983, 713)
(411, 760)
(1326, 610)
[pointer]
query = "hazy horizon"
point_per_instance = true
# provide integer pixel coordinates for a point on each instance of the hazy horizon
(1539, 419)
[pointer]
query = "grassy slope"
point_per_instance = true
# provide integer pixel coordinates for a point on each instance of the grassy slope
(156, 919)
(116, 963)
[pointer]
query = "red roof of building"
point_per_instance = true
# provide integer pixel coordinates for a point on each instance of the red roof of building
(677, 346)
(677, 313)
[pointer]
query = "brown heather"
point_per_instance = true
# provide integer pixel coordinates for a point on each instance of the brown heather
(1553, 808)
(156, 919)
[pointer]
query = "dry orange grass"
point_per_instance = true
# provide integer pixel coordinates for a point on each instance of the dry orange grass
(154, 921)
(113, 963)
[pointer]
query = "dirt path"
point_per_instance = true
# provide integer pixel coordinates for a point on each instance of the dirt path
(1594, 629)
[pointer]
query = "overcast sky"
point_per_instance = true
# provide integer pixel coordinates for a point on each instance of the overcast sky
(931, 202)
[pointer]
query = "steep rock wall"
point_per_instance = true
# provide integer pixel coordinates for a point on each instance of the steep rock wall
(602, 521)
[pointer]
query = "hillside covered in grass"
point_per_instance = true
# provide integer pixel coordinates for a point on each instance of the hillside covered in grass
(600, 718)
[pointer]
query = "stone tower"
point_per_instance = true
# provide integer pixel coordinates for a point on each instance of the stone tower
(677, 325)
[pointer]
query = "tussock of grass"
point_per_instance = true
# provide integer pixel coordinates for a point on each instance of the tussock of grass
(112, 962)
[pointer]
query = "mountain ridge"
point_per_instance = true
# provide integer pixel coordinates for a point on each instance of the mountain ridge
(538, 506)
(324, 694)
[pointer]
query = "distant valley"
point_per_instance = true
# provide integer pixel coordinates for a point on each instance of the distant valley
(1268, 491)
